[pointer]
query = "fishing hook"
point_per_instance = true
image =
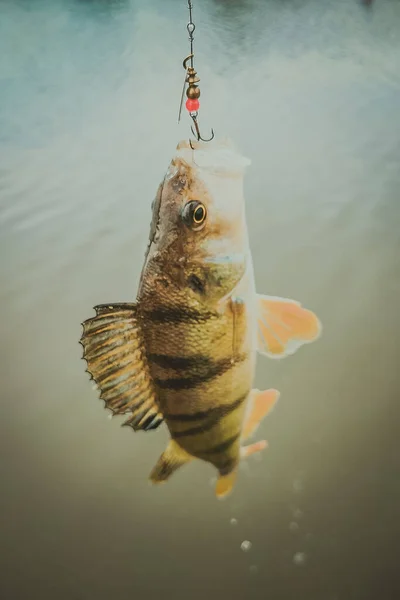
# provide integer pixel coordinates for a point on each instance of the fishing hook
(197, 132)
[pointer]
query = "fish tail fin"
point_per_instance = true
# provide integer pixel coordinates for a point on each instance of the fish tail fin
(225, 484)
(170, 461)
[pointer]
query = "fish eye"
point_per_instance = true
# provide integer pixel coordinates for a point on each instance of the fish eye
(194, 214)
(199, 214)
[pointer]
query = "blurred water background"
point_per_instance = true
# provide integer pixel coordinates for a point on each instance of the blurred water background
(89, 94)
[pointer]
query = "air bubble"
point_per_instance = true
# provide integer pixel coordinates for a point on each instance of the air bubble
(246, 545)
(300, 559)
(233, 521)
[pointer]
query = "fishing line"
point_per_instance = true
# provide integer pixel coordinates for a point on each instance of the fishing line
(190, 84)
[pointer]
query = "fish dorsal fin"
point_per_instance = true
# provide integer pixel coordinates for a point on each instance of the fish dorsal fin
(114, 350)
(284, 326)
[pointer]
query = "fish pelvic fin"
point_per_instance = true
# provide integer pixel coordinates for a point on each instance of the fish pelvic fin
(113, 348)
(170, 461)
(225, 484)
(246, 451)
(261, 403)
(284, 326)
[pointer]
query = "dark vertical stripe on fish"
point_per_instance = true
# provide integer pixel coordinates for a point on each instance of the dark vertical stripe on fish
(214, 369)
(222, 447)
(210, 418)
(168, 361)
(176, 315)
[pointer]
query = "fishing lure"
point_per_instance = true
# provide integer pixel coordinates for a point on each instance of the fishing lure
(185, 352)
(191, 83)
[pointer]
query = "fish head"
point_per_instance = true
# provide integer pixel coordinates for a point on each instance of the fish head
(199, 232)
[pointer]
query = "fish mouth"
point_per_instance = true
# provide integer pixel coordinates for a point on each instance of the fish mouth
(219, 156)
(224, 142)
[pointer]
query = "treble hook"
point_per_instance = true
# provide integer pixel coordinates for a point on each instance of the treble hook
(197, 132)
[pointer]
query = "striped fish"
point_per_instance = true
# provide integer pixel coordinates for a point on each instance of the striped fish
(185, 352)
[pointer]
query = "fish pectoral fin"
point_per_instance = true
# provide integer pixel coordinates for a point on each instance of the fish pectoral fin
(170, 461)
(113, 348)
(225, 484)
(261, 403)
(284, 326)
(246, 451)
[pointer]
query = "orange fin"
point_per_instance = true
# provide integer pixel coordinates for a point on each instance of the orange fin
(284, 326)
(261, 403)
(225, 484)
(170, 460)
(246, 451)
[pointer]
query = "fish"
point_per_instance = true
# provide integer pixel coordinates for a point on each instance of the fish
(184, 354)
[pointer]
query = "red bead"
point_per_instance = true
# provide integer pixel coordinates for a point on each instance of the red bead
(192, 104)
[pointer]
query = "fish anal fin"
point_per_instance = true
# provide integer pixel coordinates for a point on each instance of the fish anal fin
(114, 351)
(225, 483)
(170, 461)
(261, 403)
(284, 326)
